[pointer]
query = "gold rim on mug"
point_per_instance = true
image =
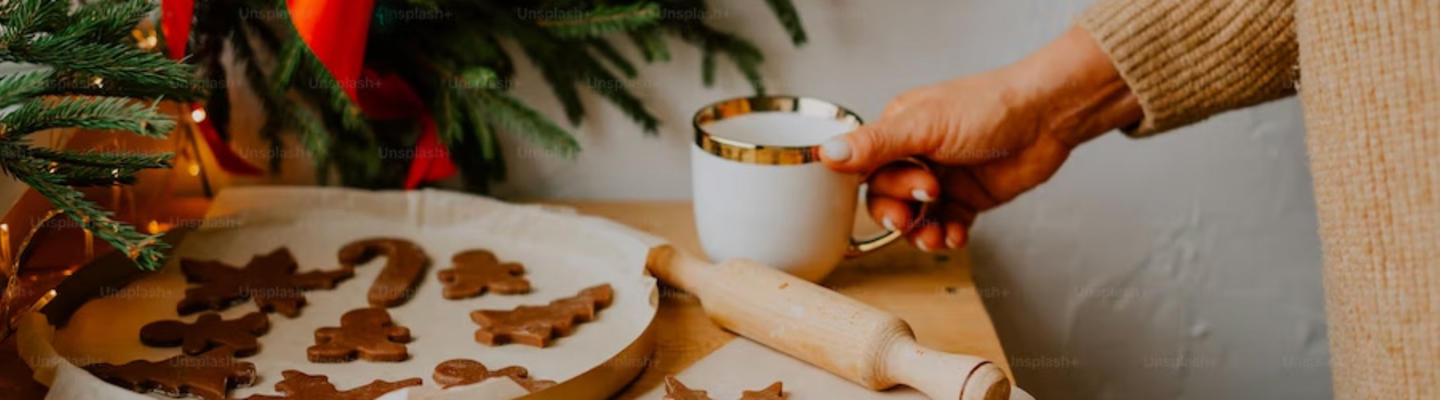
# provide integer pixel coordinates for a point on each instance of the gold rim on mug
(752, 153)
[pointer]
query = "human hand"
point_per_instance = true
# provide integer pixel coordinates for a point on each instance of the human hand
(988, 138)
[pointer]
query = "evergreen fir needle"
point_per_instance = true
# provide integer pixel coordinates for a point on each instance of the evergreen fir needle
(89, 80)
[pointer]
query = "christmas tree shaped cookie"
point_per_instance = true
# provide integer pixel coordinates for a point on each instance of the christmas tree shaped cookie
(537, 325)
(209, 375)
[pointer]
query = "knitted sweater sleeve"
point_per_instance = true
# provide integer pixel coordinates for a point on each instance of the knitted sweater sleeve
(1186, 59)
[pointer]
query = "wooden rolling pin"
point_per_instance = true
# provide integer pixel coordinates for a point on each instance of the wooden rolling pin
(807, 321)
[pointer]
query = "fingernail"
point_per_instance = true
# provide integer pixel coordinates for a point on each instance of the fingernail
(922, 195)
(836, 149)
(952, 242)
(920, 244)
(889, 225)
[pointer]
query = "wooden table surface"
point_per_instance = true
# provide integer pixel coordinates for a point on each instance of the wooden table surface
(933, 292)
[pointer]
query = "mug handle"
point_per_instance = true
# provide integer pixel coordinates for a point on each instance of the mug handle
(860, 247)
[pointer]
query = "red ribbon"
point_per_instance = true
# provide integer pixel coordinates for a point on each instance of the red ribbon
(175, 16)
(336, 32)
(389, 97)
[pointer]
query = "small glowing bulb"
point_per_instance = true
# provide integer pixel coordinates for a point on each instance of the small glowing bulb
(153, 227)
(198, 115)
(194, 169)
(98, 82)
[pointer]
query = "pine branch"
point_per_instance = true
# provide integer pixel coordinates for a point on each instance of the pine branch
(651, 42)
(23, 18)
(610, 54)
(101, 113)
(789, 18)
(564, 39)
(82, 176)
(749, 67)
(328, 87)
(707, 66)
(484, 134)
(558, 74)
(480, 78)
(105, 21)
(479, 160)
(602, 20)
(447, 117)
(15, 88)
(105, 61)
(286, 65)
(102, 160)
(90, 80)
(335, 101)
(313, 137)
(270, 92)
(148, 88)
(613, 89)
(145, 250)
(513, 116)
(741, 52)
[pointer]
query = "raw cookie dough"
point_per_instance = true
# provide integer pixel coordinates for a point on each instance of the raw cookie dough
(536, 325)
(367, 332)
(209, 375)
(270, 280)
(208, 331)
(405, 263)
(477, 271)
(459, 372)
(301, 386)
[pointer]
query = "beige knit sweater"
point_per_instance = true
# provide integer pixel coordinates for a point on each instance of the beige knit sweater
(1368, 73)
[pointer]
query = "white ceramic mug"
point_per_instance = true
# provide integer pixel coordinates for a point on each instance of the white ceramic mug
(761, 192)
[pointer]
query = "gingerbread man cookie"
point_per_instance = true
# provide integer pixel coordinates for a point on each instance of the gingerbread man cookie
(269, 280)
(405, 262)
(476, 271)
(366, 332)
(210, 375)
(536, 325)
(301, 386)
(460, 372)
(207, 332)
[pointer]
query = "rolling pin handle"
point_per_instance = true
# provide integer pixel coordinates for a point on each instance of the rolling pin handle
(867, 346)
(944, 376)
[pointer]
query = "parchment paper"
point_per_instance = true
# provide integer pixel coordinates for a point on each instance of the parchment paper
(743, 365)
(562, 254)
